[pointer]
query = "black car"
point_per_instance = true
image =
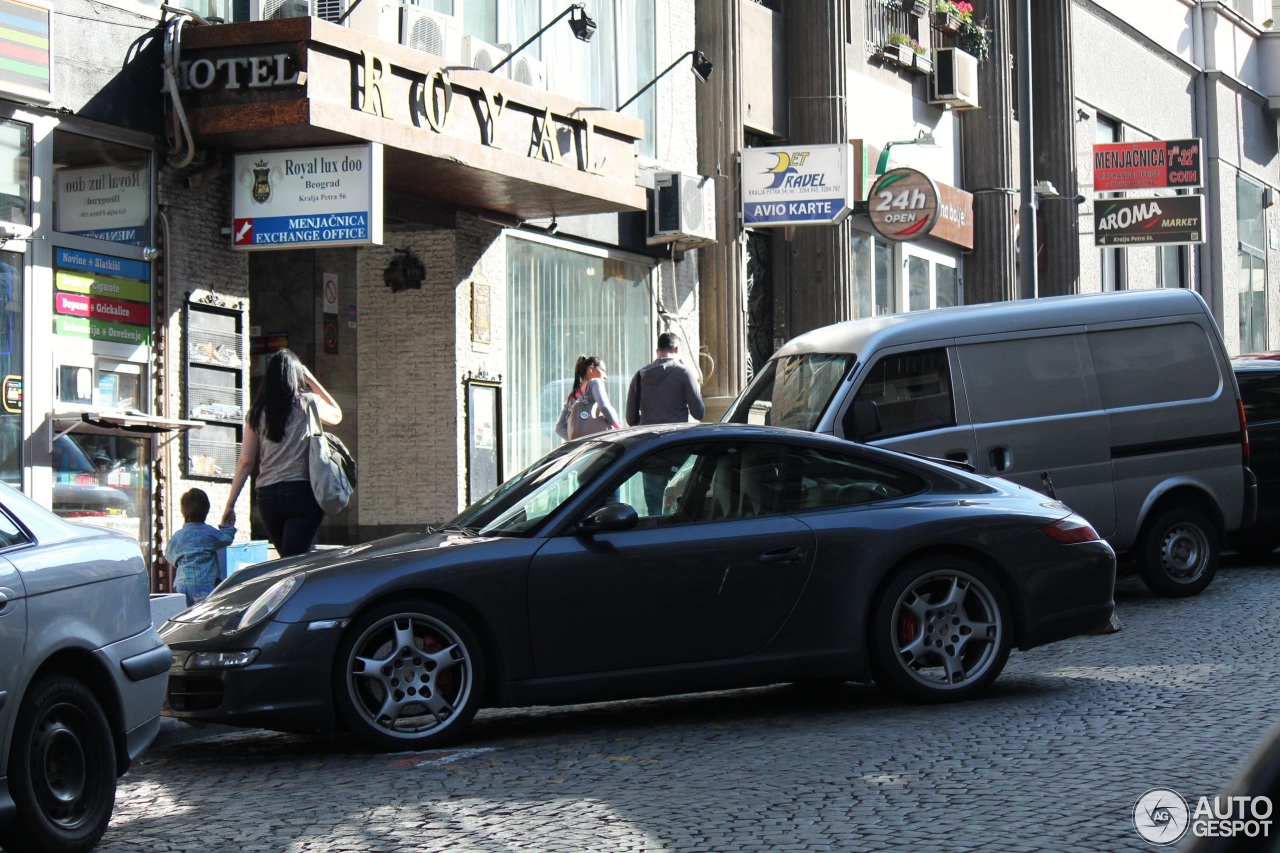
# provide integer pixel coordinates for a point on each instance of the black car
(651, 561)
(1258, 375)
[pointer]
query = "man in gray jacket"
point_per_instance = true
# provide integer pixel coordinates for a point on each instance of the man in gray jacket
(662, 392)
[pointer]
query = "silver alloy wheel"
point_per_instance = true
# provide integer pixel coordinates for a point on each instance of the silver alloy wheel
(1184, 552)
(947, 629)
(409, 674)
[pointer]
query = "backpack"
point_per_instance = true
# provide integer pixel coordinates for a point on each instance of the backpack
(585, 416)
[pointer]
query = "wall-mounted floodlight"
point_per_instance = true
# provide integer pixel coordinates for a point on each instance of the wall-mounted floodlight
(581, 24)
(702, 68)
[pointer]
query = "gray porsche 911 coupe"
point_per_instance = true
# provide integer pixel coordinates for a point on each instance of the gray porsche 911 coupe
(645, 562)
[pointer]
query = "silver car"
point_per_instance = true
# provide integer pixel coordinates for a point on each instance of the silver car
(82, 675)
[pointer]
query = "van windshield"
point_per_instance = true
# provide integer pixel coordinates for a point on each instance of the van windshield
(791, 391)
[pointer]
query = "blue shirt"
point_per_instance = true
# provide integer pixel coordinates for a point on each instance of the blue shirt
(194, 551)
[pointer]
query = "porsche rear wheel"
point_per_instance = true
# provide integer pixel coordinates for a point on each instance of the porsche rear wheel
(62, 769)
(941, 631)
(408, 676)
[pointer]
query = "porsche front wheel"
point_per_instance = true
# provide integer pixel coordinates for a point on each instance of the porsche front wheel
(408, 676)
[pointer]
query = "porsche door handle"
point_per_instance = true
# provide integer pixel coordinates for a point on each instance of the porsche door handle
(784, 556)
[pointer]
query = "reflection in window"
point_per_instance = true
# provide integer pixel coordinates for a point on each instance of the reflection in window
(11, 368)
(101, 189)
(1261, 395)
(1251, 280)
(792, 391)
(822, 478)
(911, 393)
(562, 304)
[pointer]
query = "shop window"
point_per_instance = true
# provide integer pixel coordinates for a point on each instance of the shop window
(15, 207)
(214, 390)
(874, 289)
(1251, 280)
(560, 304)
(102, 189)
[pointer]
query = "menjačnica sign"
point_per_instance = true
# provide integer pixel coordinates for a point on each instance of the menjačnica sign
(1150, 165)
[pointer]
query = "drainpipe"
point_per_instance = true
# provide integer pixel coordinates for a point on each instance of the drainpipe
(1209, 258)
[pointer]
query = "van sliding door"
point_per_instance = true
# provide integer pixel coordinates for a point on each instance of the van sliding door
(1036, 412)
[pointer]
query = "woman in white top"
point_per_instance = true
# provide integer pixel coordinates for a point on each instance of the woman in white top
(588, 378)
(275, 440)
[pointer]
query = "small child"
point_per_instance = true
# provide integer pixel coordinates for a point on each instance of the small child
(193, 549)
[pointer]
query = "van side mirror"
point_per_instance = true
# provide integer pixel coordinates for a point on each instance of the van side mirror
(866, 419)
(609, 518)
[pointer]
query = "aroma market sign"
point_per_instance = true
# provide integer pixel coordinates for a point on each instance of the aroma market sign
(1164, 221)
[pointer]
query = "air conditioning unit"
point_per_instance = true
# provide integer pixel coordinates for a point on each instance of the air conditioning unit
(481, 55)
(955, 78)
(682, 210)
(430, 32)
(378, 18)
(274, 10)
(529, 70)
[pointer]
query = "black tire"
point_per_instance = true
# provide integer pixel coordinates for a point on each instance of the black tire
(62, 769)
(428, 682)
(941, 631)
(1179, 553)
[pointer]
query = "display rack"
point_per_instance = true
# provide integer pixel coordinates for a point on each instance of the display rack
(214, 389)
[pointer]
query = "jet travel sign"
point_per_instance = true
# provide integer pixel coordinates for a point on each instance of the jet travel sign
(1165, 220)
(311, 197)
(797, 185)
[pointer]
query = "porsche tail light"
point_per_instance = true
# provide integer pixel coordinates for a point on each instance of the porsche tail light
(1070, 530)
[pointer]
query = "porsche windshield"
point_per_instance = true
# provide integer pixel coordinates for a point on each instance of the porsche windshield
(519, 505)
(792, 391)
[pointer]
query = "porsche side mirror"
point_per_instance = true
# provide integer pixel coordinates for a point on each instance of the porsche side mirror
(609, 518)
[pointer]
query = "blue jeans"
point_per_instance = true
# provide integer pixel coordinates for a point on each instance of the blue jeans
(194, 594)
(291, 515)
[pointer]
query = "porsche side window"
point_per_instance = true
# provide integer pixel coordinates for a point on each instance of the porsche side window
(10, 533)
(820, 479)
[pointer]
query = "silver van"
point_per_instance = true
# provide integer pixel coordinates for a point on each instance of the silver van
(1122, 405)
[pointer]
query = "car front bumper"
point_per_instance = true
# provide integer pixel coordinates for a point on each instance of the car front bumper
(287, 687)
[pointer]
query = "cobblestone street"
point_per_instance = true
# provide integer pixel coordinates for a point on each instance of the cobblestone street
(1052, 759)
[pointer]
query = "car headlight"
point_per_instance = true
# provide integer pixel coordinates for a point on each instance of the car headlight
(221, 660)
(270, 601)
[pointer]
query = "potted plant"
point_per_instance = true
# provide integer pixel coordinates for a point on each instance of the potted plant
(950, 16)
(923, 62)
(919, 8)
(974, 39)
(899, 49)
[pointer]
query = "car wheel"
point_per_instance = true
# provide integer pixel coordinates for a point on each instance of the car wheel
(409, 676)
(62, 769)
(1179, 553)
(940, 632)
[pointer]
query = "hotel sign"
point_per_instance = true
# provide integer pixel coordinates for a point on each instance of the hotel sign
(1166, 221)
(796, 185)
(451, 134)
(310, 197)
(1152, 165)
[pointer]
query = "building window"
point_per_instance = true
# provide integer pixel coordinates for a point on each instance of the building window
(1111, 259)
(15, 207)
(1252, 279)
(885, 17)
(562, 303)
(1172, 261)
(874, 289)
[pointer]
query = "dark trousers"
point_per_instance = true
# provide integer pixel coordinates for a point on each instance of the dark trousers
(291, 515)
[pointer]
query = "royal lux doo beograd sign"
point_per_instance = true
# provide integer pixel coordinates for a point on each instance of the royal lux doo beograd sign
(903, 204)
(1150, 165)
(797, 185)
(310, 197)
(1164, 220)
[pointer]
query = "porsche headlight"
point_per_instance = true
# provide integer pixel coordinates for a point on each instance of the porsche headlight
(270, 601)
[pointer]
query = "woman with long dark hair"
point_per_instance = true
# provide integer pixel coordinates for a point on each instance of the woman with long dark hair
(275, 440)
(588, 381)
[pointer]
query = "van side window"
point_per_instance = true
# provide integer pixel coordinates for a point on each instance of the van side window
(1154, 364)
(911, 391)
(1024, 378)
(822, 478)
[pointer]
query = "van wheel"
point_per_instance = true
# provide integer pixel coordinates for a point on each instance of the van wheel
(1179, 553)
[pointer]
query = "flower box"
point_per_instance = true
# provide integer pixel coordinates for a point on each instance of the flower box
(918, 7)
(899, 53)
(924, 64)
(947, 22)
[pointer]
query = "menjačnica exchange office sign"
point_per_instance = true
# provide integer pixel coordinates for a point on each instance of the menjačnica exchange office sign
(1156, 164)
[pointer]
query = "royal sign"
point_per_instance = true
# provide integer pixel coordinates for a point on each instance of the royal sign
(311, 197)
(797, 185)
(1163, 221)
(1154, 165)
(903, 204)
